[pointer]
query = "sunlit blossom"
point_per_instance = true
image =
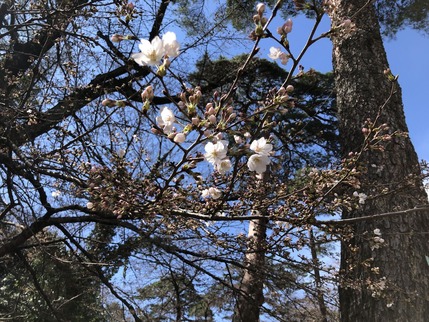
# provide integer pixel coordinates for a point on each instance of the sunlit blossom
(171, 45)
(215, 153)
(166, 120)
(211, 192)
(223, 166)
(258, 163)
(261, 146)
(276, 53)
(151, 52)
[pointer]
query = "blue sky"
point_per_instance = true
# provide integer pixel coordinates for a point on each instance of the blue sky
(408, 57)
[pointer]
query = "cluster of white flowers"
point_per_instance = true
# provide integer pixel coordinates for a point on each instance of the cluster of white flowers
(377, 241)
(153, 51)
(362, 197)
(213, 193)
(258, 162)
(216, 155)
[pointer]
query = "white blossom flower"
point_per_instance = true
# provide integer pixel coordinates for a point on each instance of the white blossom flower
(56, 193)
(258, 163)
(90, 205)
(377, 232)
(213, 193)
(223, 166)
(215, 153)
(151, 52)
(166, 120)
(276, 53)
(261, 146)
(171, 45)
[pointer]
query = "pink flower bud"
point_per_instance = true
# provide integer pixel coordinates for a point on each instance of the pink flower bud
(148, 94)
(116, 38)
(212, 119)
(108, 102)
(211, 111)
(286, 28)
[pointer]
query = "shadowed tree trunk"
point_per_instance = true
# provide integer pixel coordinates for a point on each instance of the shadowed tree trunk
(251, 296)
(400, 291)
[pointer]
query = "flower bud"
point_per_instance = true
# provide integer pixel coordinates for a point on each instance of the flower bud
(290, 88)
(148, 94)
(232, 117)
(180, 138)
(260, 8)
(256, 19)
(211, 111)
(212, 119)
(195, 121)
(108, 102)
(116, 38)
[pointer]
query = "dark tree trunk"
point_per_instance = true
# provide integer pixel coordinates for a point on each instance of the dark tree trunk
(251, 298)
(362, 89)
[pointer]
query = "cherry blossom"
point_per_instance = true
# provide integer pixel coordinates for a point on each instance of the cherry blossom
(215, 153)
(261, 146)
(258, 163)
(213, 193)
(276, 53)
(223, 166)
(151, 52)
(171, 45)
(166, 120)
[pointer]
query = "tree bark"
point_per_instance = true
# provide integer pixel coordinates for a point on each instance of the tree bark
(250, 297)
(363, 91)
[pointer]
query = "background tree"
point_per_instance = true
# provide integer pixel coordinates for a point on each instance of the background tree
(391, 178)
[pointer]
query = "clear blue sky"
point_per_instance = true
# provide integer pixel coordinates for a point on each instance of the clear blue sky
(408, 57)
